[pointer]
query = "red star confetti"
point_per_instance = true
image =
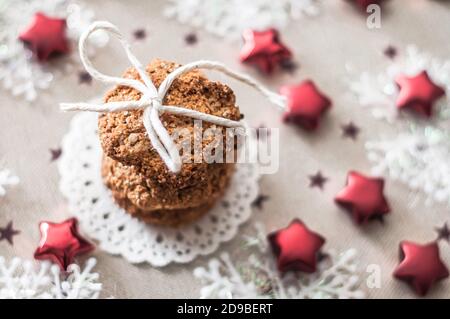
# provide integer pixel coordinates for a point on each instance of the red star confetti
(305, 104)
(420, 266)
(61, 243)
(264, 50)
(8, 233)
(363, 197)
(296, 247)
(418, 93)
(46, 37)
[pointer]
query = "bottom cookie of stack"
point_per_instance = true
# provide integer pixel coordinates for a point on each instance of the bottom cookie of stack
(129, 185)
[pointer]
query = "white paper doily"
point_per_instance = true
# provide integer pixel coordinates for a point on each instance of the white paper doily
(119, 233)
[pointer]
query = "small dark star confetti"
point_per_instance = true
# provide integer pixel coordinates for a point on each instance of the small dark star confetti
(190, 39)
(317, 180)
(289, 66)
(140, 34)
(390, 52)
(259, 201)
(55, 154)
(443, 232)
(8, 233)
(350, 130)
(84, 78)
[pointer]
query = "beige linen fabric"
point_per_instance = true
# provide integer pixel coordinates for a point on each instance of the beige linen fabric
(322, 46)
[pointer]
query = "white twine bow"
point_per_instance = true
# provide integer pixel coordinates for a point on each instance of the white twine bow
(151, 100)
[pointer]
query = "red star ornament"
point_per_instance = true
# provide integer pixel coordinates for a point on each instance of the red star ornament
(305, 104)
(296, 247)
(61, 242)
(46, 37)
(363, 197)
(418, 93)
(264, 50)
(420, 266)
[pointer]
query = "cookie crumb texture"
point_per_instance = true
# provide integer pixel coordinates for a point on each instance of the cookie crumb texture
(138, 178)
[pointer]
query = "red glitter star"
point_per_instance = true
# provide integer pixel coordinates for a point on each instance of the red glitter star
(363, 197)
(420, 266)
(8, 233)
(418, 93)
(296, 247)
(60, 243)
(305, 104)
(264, 50)
(46, 37)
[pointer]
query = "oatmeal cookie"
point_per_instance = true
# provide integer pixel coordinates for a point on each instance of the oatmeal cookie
(164, 217)
(122, 134)
(132, 182)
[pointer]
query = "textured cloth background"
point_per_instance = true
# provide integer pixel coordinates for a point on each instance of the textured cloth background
(322, 46)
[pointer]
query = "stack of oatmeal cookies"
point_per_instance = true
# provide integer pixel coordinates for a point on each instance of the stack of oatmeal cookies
(138, 178)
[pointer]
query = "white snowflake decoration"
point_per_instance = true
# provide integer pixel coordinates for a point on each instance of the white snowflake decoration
(20, 279)
(417, 152)
(7, 179)
(419, 158)
(19, 72)
(228, 18)
(336, 276)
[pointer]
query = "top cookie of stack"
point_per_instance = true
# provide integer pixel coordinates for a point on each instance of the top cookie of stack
(123, 135)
